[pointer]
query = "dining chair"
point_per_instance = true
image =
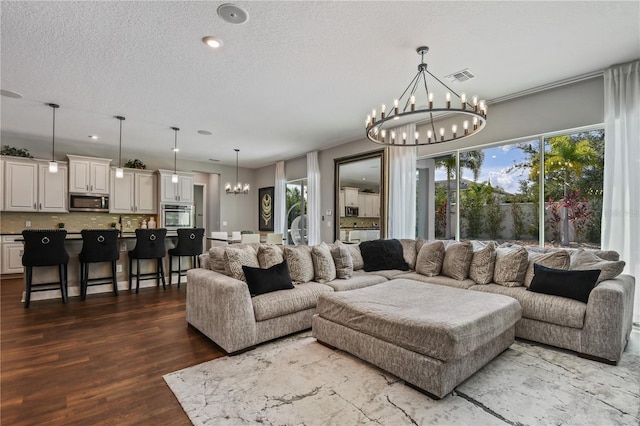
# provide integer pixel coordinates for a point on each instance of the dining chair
(274, 239)
(219, 238)
(236, 236)
(250, 238)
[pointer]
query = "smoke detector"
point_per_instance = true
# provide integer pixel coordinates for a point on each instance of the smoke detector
(232, 14)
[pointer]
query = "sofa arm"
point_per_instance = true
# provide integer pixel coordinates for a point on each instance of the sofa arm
(609, 318)
(220, 307)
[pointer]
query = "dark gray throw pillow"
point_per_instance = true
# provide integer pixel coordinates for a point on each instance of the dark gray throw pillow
(262, 281)
(572, 284)
(381, 255)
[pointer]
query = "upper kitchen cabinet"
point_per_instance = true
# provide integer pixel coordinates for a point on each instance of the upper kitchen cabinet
(136, 192)
(88, 175)
(30, 187)
(176, 193)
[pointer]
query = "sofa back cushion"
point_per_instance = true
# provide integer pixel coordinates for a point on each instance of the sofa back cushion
(511, 266)
(342, 260)
(237, 257)
(300, 263)
(269, 255)
(483, 262)
(429, 259)
(217, 260)
(457, 260)
(558, 259)
(356, 256)
(409, 252)
(583, 259)
(379, 255)
(323, 266)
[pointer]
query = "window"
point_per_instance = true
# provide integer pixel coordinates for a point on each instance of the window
(497, 196)
(296, 205)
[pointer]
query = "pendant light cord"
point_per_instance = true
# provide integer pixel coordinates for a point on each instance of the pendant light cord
(175, 151)
(53, 133)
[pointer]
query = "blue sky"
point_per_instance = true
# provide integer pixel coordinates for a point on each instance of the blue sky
(496, 161)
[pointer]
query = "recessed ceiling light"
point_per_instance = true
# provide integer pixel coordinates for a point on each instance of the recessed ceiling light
(213, 159)
(94, 137)
(10, 94)
(212, 42)
(232, 14)
(205, 132)
(175, 149)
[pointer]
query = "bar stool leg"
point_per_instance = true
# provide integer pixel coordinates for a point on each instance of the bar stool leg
(130, 271)
(137, 276)
(179, 270)
(161, 269)
(114, 277)
(171, 269)
(29, 277)
(84, 277)
(62, 272)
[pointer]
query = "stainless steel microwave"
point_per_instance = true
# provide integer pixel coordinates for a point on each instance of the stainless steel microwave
(88, 203)
(351, 211)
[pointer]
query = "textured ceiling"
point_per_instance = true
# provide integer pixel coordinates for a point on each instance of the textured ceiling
(297, 76)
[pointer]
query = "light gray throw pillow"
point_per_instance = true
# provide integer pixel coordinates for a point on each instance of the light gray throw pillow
(342, 260)
(237, 257)
(511, 266)
(555, 259)
(583, 259)
(323, 266)
(429, 259)
(457, 260)
(300, 263)
(483, 262)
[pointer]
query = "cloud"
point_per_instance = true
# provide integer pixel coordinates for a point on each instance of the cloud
(507, 148)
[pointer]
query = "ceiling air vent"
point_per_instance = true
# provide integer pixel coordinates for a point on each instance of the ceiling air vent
(460, 76)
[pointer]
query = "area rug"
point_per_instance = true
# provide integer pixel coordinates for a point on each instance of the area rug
(297, 381)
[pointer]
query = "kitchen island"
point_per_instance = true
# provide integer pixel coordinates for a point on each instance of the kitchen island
(73, 245)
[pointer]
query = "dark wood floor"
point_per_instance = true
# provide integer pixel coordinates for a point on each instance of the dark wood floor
(99, 361)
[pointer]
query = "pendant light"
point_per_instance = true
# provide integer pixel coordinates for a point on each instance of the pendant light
(53, 166)
(119, 169)
(239, 187)
(174, 177)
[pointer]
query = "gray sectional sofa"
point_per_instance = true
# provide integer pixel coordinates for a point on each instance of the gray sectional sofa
(219, 303)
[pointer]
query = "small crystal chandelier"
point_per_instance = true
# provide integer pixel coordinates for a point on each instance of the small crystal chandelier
(53, 165)
(119, 169)
(174, 176)
(379, 128)
(239, 188)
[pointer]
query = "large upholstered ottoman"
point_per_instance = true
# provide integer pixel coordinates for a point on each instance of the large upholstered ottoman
(431, 336)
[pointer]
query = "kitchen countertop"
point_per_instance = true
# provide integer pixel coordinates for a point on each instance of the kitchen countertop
(78, 235)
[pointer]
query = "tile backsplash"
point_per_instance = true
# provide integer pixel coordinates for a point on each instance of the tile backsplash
(15, 222)
(359, 222)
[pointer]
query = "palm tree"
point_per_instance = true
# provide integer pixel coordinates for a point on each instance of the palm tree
(471, 160)
(566, 162)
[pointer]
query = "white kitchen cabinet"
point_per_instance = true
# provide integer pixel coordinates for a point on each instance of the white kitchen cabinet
(369, 205)
(30, 187)
(135, 192)
(88, 175)
(350, 197)
(177, 193)
(11, 255)
(52, 188)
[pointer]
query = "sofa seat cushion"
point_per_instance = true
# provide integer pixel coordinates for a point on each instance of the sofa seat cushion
(440, 280)
(283, 302)
(356, 281)
(389, 273)
(440, 322)
(542, 307)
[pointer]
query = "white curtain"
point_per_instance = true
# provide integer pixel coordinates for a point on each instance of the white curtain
(313, 199)
(621, 197)
(402, 186)
(280, 201)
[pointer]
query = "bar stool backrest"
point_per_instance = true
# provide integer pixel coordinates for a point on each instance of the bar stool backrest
(44, 247)
(149, 244)
(189, 242)
(99, 245)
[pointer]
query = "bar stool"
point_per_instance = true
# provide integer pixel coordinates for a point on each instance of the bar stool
(45, 248)
(189, 244)
(98, 246)
(149, 245)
